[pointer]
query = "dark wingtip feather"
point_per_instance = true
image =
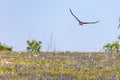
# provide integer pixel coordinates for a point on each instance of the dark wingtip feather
(97, 21)
(70, 10)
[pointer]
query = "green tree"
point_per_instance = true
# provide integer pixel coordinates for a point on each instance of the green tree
(34, 46)
(5, 47)
(115, 46)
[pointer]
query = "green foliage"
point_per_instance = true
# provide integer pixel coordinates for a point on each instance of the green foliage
(5, 47)
(113, 47)
(34, 46)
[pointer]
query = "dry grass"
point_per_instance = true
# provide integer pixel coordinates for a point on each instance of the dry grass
(59, 66)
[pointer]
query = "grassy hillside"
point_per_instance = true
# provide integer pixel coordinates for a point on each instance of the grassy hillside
(59, 66)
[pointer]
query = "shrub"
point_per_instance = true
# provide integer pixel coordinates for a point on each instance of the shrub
(5, 47)
(115, 46)
(34, 46)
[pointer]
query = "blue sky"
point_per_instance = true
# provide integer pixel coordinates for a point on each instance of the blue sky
(22, 20)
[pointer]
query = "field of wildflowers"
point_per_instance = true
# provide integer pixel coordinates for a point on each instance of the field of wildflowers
(59, 66)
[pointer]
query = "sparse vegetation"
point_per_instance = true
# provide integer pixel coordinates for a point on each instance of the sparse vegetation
(34, 46)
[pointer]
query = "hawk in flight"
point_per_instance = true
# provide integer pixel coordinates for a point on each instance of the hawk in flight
(80, 22)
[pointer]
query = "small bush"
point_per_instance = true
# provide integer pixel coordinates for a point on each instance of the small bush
(5, 47)
(34, 46)
(114, 47)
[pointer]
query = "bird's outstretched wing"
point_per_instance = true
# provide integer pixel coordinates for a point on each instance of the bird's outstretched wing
(90, 22)
(74, 16)
(80, 22)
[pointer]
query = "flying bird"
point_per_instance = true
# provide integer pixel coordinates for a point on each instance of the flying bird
(80, 22)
